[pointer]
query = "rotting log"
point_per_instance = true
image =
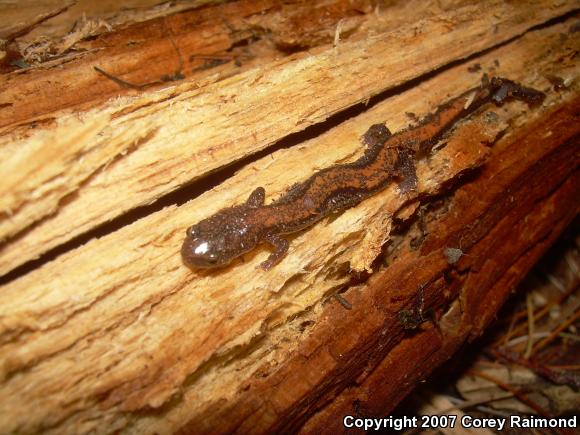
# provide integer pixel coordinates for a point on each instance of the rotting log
(117, 335)
(131, 151)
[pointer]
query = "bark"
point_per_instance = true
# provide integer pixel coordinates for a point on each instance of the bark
(131, 151)
(115, 334)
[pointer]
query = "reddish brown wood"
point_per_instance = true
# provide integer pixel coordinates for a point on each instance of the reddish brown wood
(191, 44)
(361, 362)
(117, 334)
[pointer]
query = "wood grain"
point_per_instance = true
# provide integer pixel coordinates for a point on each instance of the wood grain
(118, 335)
(186, 131)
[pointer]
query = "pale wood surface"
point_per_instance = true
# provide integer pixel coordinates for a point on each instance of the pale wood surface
(117, 334)
(134, 150)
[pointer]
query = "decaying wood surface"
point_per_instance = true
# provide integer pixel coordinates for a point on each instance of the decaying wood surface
(131, 151)
(117, 335)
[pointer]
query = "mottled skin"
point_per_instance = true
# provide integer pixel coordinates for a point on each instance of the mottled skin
(233, 231)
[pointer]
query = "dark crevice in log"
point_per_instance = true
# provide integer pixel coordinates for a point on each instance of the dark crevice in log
(195, 189)
(395, 289)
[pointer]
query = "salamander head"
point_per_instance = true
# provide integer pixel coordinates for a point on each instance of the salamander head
(217, 240)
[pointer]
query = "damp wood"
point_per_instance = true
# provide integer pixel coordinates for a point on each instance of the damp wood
(109, 332)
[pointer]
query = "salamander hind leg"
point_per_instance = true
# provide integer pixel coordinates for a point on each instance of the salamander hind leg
(376, 135)
(406, 170)
(281, 249)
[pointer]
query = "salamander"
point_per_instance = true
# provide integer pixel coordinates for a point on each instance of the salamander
(233, 231)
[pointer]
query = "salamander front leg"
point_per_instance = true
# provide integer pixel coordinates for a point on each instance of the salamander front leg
(257, 198)
(281, 248)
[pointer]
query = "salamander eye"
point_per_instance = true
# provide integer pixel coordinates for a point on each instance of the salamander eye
(192, 232)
